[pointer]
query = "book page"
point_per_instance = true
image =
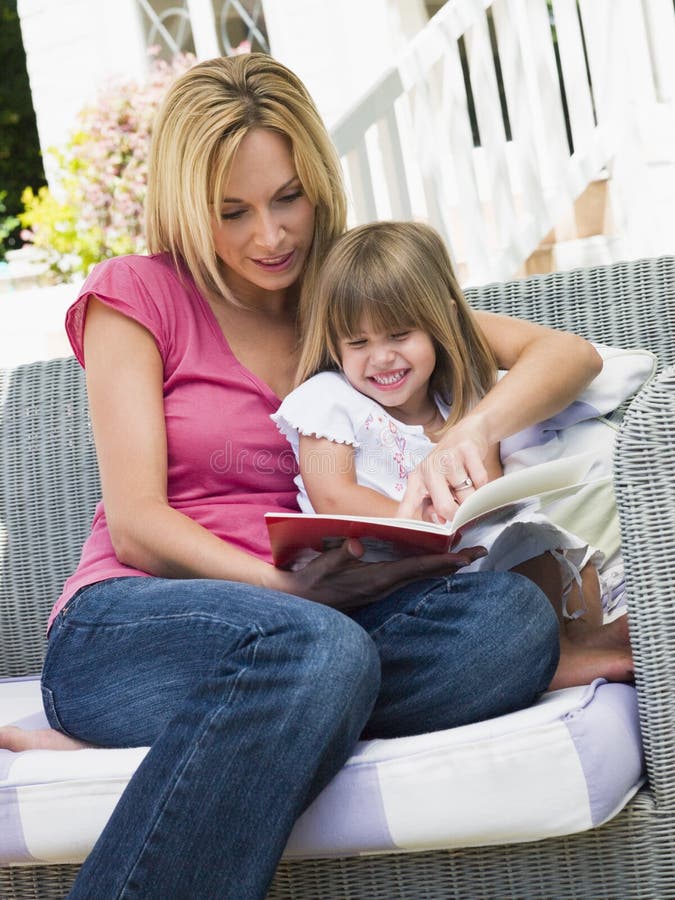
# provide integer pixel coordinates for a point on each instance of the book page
(552, 476)
(500, 499)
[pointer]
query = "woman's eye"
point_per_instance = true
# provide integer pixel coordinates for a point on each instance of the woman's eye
(356, 344)
(400, 335)
(230, 216)
(289, 198)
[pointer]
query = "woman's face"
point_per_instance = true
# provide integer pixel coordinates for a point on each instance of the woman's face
(264, 228)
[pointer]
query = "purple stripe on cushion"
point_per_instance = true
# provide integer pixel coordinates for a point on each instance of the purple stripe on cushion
(33, 721)
(19, 678)
(543, 432)
(6, 760)
(13, 847)
(346, 818)
(606, 735)
(534, 436)
(577, 411)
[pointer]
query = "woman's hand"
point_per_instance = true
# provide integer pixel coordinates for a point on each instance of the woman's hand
(339, 579)
(453, 470)
(545, 371)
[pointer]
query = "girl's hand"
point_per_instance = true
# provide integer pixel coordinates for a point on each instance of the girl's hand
(446, 477)
(339, 579)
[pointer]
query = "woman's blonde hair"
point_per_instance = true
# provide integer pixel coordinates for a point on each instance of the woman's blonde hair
(395, 276)
(199, 126)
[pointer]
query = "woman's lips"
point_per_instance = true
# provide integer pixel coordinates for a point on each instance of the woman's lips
(276, 263)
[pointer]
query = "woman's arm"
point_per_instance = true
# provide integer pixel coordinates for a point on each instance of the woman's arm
(329, 475)
(124, 381)
(547, 369)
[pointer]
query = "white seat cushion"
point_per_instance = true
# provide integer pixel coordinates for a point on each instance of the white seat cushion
(567, 764)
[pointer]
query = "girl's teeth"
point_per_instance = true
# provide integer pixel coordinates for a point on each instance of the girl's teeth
(388, 379)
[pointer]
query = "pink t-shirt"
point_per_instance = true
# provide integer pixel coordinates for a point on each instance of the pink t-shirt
(227, 462)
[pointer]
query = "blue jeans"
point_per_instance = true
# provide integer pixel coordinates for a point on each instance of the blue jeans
(252, 700)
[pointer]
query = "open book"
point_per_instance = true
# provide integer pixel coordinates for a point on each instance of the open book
(292, 533)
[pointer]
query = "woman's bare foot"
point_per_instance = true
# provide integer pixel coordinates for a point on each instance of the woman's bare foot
(588, 652)
(18, 739)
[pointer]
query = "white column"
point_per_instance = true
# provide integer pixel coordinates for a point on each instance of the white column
(340, 49)
(72, 48)
(660, 24)
(203, 28)
(624, 91)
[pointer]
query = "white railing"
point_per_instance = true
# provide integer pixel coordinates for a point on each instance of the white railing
(435, 140)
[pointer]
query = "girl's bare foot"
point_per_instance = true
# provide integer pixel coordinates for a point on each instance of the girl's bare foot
(614, 635)
(584, 666)
(589, 653)
(18, 739)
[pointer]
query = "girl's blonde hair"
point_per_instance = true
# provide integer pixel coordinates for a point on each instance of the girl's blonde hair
(200, 124)
(395, 276)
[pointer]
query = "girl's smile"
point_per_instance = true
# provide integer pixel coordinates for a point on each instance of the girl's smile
(393, 369)
(390, 380)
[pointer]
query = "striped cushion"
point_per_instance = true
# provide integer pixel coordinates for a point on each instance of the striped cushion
(567, 764)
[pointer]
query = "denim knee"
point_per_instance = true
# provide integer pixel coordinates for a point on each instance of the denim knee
(337, 682)
(339, 655)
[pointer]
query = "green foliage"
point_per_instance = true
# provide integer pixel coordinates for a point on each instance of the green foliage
(20, 160)
(8, 224)
(95, 210)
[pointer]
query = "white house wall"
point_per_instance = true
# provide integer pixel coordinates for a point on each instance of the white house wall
(340, 47)
(72, 48)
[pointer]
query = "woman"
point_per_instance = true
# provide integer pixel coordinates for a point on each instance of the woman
(175, 630)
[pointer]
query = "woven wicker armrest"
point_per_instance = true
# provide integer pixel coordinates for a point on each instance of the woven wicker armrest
(644, 468)
(49, 485)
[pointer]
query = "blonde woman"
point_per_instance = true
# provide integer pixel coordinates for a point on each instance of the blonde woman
(252, 684)
(393, 359)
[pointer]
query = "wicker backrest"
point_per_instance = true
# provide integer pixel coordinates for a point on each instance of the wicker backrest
(49, 481)
(627, 304)
(48, 489)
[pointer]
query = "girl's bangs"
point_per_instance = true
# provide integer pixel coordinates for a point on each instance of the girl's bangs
(380, 312)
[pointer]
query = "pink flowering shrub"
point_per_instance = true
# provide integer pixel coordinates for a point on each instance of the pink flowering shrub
(95, 207)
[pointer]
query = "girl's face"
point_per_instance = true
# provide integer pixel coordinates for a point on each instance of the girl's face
(264, 228)
(392, 368)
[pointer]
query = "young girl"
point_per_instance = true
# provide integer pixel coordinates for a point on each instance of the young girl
(393, 359)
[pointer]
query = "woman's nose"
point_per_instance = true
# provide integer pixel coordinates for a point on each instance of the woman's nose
(269, 232)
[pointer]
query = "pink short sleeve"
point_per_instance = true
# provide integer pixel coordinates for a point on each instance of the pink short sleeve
(122, 284)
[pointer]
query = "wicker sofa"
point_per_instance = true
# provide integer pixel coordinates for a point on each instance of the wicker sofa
(49, 485)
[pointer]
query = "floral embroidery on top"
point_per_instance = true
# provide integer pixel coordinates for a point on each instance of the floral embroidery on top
(399, 456)
(394, 448)
(393, 442)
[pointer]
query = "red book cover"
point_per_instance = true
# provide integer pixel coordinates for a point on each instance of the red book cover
(291, 533)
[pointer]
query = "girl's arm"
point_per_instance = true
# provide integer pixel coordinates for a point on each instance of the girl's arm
(547, 370)
(124, 381)
(329, 475)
